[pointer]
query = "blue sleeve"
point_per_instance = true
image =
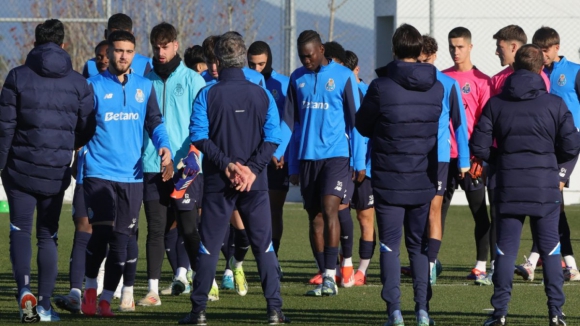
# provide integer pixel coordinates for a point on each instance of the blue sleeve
(351, 98)
(8, 116)
(86, 121)
(481, 142)
(567, 138)
(287, 122)
(148, 67)
(459, 122)
(263, 154)
(199, 132)
(154, 123)
(369, 111)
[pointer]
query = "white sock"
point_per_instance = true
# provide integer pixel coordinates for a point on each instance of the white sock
(106, 296)
(153, 285)
(481, 265)
(181, 273)
(346, 262)
(330, 273)
(491, 265)
(75, 292)
(533, 259)
(214, 283)
(90, 283)
(431, 267)
(127, 292)
(237, 264)
(363, 265)
(570, 262)
(228, 272)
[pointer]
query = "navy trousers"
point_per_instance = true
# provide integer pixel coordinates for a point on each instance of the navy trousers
(390, 220)
(254, 208)
(545, 235)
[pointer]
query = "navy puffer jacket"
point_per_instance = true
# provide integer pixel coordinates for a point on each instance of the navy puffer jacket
(400, 114)
(535, 132)
(46, 111)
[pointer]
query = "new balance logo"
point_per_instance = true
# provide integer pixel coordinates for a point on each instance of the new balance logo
(338, 186)
(108, 96)
(132, 225)
(121, 116)
(186, 201)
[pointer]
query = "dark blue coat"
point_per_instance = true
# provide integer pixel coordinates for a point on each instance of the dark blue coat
(46, 111)
(400, 114)
(535, 132)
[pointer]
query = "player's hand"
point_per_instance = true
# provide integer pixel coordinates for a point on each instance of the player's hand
(248, 177)
(360, 176)
(167, 172)
(165, 154)
(562, 184)
(280, 164)
(462, 172)
(295, 179)
(233, 174)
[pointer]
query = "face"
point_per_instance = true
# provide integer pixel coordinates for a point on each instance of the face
(506, 51)
(212, 69)
(165, 52)
(311, 55)
(424, 58)
(550, 54)
(101, 58)
(459, 49)
(257, 62)
(121, 55)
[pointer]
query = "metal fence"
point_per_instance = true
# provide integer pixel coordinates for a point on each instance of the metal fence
(278, 22)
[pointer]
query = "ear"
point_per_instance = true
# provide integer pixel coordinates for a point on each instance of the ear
(470, 46)
(434, 57)
(356, 70)
(514, 47)
(557, 47)
(62, 46)
(176, 45)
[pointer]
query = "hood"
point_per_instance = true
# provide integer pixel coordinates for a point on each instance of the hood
(49, 60)
(410, 75)
(524, 85)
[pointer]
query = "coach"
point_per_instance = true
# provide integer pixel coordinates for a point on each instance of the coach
(46, 111)
(535, 132)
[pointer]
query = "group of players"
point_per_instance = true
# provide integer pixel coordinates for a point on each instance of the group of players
(255, 141)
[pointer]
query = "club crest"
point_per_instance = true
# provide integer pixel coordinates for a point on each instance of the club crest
(466, 89)
(562, 80)
(139, 96)
(330, 85)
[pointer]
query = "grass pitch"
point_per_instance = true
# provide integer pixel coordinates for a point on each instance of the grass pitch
(456, 301)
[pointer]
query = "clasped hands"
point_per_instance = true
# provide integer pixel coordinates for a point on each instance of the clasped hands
(241, 177)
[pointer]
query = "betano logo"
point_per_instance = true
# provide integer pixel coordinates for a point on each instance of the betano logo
(121, 116)
(314, 105)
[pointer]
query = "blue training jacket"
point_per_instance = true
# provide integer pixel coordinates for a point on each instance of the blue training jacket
(122, 110)
(141, 65)
(234, 120)
(565, 82)
(277, 84)
(454, 111)
(323, 105)
(362, 87)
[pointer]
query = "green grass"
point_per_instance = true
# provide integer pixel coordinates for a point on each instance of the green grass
(456, 301)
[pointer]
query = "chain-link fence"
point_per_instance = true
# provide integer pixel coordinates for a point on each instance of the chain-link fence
(267, 20)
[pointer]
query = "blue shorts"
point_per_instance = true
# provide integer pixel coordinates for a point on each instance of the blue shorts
(155, 189)
(117, 202)
(363, 197)
(79, 209)
(454, 180)
(442, 173)
(278, 179)
(324, 177)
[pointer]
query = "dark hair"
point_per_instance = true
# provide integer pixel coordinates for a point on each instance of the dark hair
(407, 42)
(529, 57)
(51, 30)
(162, 33)
(193, 55)
(120, 22)
(430, 46)
(308, 36)
(120, 35)
(101, 43)
(545, 37)
(259, 47)
(208, 48)
(351, 60)
(511, 33)
(334, 50)
(460, 32)
(230, 50)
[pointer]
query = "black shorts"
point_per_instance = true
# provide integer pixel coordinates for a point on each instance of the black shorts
(79, 208)
(155, 189)
(454, 180)
(278, 179)
(442, 173)
(117, 202)
(324, 177)
(363, 197)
